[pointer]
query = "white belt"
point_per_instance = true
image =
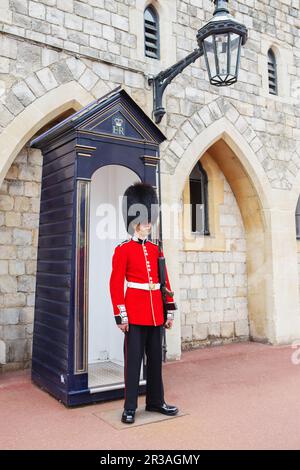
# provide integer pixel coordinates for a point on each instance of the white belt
(145, 286)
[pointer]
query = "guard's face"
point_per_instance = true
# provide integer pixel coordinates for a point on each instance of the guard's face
(144, 229)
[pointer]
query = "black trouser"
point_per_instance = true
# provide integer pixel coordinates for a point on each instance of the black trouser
(138, 339)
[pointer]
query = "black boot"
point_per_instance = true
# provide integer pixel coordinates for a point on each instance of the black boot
(128, 416)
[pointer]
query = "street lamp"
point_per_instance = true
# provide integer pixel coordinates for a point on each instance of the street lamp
(220, 42)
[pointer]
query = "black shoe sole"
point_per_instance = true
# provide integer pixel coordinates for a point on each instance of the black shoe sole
(171, 413)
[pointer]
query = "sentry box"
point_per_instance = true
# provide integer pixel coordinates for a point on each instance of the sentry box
(89, 159)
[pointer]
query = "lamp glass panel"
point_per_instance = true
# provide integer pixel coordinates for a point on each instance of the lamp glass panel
(235, 41)
(221, 41)
(209, 52)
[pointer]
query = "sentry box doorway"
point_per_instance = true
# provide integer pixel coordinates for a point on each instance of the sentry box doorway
(89, 159)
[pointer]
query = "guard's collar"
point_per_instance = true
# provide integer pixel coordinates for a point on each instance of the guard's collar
(139, 240)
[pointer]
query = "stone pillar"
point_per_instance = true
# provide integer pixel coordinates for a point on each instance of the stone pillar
(281, 247)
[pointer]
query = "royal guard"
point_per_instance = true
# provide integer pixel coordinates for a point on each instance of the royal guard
(140, 313)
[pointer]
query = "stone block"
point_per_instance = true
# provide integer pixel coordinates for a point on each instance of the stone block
(73, 21)
(7, 252)
(13, 332)
(37, 10)
(23, 93)
(215, 329)
(26, 315)
(22, 237)
(3, 267)
(26, 283)
(17, 350)
(203, 317)
(4, 65)
(241, 328)
(108, 33)
(84, 10)
(88, 79)
(9, 316)
(2, 352)
(200, 331)
(76, 67)
(5, 236)
(186, 332)
(188, 268)
(66, 5)
(17, 299)
(135, 80)
(61, 72)
(119, 22)
(19, 6)
(16, 267)
(47, 78)
(227, 329)
(8, 284)
(103, 16)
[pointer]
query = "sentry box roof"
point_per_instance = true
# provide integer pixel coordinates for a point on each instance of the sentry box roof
(95, 118)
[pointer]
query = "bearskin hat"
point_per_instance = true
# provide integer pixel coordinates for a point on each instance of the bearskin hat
(139, 205)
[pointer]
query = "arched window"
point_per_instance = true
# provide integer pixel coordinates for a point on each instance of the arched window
(199, 200)
(151, 33)
(298, 220)
(272, 73)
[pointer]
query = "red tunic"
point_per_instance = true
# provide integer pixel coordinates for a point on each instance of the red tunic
(137, 262)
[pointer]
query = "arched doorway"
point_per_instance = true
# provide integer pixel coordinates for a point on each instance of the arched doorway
(220, 284)
(252, 191)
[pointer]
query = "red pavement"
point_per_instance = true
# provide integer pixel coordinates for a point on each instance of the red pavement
(238, 396)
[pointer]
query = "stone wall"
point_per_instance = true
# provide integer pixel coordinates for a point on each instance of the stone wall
(19, 217)
(99, 45)
(107, 34)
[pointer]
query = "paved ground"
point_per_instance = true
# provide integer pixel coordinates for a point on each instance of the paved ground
(235, 396)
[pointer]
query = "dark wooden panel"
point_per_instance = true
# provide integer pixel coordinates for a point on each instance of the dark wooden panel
(60, 213)
(55, 267)
(55, 239)
(49, 279)
(48, 331)
(48, 312)
(54, 347)
(53, 322)
(54, 261)
(52, 306)
(57, 201)
(47, 292)
(54, 360)
(55, 254)
(56, 227)
(56, 189)
(58, 149)
(58, 163)
(60, 175)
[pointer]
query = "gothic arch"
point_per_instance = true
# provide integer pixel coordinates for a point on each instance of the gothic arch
(223, 129)
(253, 192)
(35, 116)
